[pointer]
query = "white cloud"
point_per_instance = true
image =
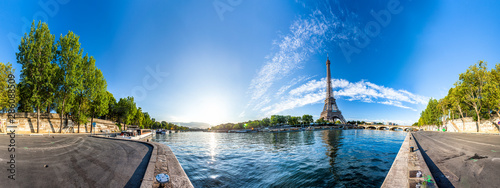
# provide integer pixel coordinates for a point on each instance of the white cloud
(293, 82)
(397, 104)
(314, 91)
(307, 35)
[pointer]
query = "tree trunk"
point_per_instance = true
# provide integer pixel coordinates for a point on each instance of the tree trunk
(78, 116)
(92, 122)
(478, 121)
(61, 125)
(37, 119)
(61, 115)
(462, 117)
(67, 122)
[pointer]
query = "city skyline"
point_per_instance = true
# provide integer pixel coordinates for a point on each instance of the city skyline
(218, 61)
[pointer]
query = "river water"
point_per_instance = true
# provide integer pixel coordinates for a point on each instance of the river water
(328, 158)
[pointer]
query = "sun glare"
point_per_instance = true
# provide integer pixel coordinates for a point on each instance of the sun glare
(213, 111)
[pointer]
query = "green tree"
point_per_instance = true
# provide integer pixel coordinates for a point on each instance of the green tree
(111, 106)
(164, 125)
(139, 117)
(69, 58)
(443, 105)
(307, 119)
(126, 109)
(274, 119)
(266, 122)
(321, 121)
(473, 82)
(36, 54)
(455, 98)
(5, 71)
(492, 89)
(293, 120)
(146, 121)
(97, 92)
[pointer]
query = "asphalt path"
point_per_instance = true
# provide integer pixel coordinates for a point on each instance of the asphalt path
(73, 161)
(461, 160)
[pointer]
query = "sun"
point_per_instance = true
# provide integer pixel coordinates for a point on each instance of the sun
(213, 111)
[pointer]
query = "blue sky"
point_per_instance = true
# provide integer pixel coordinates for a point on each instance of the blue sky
(219, 61)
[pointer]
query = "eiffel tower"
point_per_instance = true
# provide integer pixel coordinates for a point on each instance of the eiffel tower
(330, 111)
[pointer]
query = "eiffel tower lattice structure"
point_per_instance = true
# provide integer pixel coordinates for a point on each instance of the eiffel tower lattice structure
(330, 110)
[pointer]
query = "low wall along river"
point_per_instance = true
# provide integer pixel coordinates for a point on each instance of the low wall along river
(50, 123)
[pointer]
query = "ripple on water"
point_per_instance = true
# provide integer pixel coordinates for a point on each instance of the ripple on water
(337, 158)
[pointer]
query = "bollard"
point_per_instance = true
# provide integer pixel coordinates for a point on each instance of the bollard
(411, 149)
(162, 179)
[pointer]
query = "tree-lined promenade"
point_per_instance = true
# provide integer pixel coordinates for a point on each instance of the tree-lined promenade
(58, 76)
(476, 94)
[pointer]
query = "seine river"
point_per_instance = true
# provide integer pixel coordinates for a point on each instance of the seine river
(328, 158)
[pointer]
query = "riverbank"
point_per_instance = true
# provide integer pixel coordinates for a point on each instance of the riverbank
(162, 160)
(409, 168)
(461, 160)
(82, 161)
(73, 161)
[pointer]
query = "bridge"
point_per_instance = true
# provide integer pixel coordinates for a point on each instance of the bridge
(389, 127)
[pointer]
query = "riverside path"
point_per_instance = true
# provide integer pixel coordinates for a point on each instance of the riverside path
(461, 160)
(73, 161)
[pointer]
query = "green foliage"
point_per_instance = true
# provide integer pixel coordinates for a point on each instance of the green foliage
(293, 120)
(36, 54)
(431, 114)
(5, 70)
(266, 122)
(126, 109)
(476, 94)
(69, 73)
(147, 122)
(321, 121)
(307, 119)
(139, 117)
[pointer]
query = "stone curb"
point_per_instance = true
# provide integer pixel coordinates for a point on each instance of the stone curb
(168, 163)
(148, 179)
(406, 161)
(397, 175)
(424, 168)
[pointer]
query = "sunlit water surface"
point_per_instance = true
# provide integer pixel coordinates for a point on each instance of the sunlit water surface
(329, 158)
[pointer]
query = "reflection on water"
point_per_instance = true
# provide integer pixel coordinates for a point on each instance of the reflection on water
(329, 158)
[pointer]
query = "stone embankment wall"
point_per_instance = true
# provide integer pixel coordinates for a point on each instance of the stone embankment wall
(468, 125)
(50, 123)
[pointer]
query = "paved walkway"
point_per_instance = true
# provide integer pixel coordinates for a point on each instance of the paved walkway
(462, 160)
(73, 161)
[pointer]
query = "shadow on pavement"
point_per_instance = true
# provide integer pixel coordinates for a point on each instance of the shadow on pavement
(136, 179)
(440, 178)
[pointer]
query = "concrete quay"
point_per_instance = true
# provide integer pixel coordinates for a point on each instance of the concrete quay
(162, 160)
(82, 161)
(72, 161)
(462, 160)
(406, 165)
